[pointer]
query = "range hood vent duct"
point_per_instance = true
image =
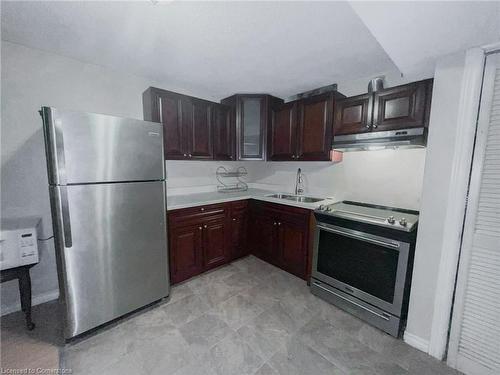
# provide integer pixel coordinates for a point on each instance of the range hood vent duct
(308, 94)
(376, 84)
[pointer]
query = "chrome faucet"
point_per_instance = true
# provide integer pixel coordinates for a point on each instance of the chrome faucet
(299, 183)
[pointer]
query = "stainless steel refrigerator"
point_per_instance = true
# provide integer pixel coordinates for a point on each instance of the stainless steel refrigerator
(108, 198)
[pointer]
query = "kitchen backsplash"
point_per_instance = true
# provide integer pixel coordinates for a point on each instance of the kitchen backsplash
(387, 177)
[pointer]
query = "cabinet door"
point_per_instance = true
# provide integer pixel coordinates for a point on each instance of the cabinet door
(315, 128)
(282, 135)
(251, 126)
(353, 115)
(263, 236)
(223, 133)
(185, 252)
(238, 235)
(400, 107)
(215, 243)
(197, 122)
(293, 247)
(173, 132)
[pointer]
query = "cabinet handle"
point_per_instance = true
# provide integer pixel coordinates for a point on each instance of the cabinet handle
(375, 126)
(185, 155)
(200, 228)
(205, 226)
(279, 223)
(234, 219)
(275, 223)
(202, 209)
(368, 126)
(190, 155)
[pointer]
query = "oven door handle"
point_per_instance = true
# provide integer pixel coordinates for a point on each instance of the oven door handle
(392, 244)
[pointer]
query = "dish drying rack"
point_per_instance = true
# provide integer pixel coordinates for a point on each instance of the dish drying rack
(234, 177)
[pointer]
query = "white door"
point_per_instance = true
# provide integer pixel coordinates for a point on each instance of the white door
(474, 345)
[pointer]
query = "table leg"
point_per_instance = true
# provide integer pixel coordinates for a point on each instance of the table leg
(25, 293)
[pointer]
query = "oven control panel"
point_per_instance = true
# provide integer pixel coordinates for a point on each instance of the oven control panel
(400, 219)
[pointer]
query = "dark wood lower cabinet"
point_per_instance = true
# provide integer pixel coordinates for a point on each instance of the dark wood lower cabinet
(201, 238)
(185, 243)
(293, 239)
(239, 227)
(264, 234)
(281, 236)
(215, 243)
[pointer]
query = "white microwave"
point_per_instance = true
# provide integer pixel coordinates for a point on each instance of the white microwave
(18, 242)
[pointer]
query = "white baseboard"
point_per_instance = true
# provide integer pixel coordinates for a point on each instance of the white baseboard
(36, 300)
(417, 342)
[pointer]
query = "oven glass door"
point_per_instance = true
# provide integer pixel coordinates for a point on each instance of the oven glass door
(369, 267)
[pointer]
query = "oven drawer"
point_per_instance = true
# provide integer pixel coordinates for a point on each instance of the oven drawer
(379, 318)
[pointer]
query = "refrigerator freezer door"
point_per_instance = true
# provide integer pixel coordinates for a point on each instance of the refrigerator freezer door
(117, 259)
(88, 147)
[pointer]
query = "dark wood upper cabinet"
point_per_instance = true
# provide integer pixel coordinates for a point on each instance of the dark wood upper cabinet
(282, 133)
(187, 123)
(223, 131)
(197, 120)
(315, 127)
(251, 114)
(302, 129)
(400, 107)
(353, 115)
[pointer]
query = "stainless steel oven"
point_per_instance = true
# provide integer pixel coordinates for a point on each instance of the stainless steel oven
(362, 267)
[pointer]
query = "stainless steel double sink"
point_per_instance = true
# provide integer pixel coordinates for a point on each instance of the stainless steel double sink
(295, 198)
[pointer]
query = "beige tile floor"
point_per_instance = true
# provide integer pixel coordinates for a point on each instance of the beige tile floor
(244, 318)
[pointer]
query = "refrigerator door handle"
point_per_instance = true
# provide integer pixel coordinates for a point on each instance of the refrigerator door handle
(66, 222)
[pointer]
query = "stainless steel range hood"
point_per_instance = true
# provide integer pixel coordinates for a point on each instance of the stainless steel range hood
(404, 138)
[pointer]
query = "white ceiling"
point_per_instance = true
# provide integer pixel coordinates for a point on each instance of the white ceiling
(214, 49)
(416, 33)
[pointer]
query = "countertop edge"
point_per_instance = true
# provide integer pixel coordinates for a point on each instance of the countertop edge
(310, 206)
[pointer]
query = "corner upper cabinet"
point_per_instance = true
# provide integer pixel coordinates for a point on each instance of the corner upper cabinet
(353, 115)
(251, 116)
(187, 123)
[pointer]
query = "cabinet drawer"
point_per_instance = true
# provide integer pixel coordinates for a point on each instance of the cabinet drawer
(299, 218)
(196, 214)
(238, 207)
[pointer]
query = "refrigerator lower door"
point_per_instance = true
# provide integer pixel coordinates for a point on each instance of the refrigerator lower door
(111, 248)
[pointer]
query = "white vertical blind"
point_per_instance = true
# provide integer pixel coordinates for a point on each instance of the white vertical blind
(475, 335)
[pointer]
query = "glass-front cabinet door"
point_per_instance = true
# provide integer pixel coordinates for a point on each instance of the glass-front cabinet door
(251, 127)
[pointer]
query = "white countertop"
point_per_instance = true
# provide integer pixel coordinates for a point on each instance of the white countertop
(198, 199)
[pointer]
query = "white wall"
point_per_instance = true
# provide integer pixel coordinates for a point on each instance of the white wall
(386, 177)
(32, 78)
(438, 166)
